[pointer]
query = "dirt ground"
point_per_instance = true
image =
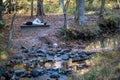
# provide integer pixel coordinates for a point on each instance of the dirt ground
(38, 36)
(33, 36)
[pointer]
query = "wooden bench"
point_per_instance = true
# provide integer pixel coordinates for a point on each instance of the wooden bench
(33, 26)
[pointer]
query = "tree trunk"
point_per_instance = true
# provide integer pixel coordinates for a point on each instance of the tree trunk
(9, 10)
(118, 3)
(64, 7)
(12, 25)
(80, 10)
(40, 10)
(76, 18)
(61, 2)
(0, 10)
(31, 8)
(102, 8)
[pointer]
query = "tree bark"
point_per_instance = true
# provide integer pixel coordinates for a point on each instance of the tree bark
(118, 3)
(102, 8)
(61, 2)
(64, 7)
(9, 10)
(0, 10)
(40, 9)
(76, 18)
(80, 10)
(12, 25)
(31, 8)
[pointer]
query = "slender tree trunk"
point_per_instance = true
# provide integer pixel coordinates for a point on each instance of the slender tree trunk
(12, 25)
(118, 3)
(76, 18)
(102, 8)
(0, 10)
(31, 8)
(65, 20)
(61, 3)
(82, 11)
(9, 10)
(64, 6)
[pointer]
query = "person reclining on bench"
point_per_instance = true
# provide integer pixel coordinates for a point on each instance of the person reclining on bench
(35, 22)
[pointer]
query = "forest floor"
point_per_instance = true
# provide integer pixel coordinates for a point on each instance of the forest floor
(39, 36)
(36, 36)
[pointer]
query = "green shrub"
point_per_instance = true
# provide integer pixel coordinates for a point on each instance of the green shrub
(109, 23)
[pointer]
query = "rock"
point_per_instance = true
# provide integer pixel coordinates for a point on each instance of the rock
(29, 75)
(41, 51)
(20, 73)
(37, 72)
(57, 64)
(62, 51)
(51, 53)
(34, 59)
(27, 64)
(14, 77)
(25, 51)
(54, 75)
(68, 72)
(19, 61)
(13, 61)
(8, 75)
(73, 55)
(10, 64)
(58, 55)
(66, 50)
(41, 55)
(59, 49)
(83, 55)
(19, 56)
(1, 71)
(65, 57)
(55, 45)
(23, 47)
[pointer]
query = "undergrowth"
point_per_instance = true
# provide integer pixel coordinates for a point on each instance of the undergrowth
(75, 31)
(104, 66)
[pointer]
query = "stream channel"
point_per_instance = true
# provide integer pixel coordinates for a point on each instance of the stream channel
(41, 63)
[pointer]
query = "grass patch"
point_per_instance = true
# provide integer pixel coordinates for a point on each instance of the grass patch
(105, 66)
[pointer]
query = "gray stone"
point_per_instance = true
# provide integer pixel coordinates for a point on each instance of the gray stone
(41, 51)
(20, 73)
(1, 71)
(73, 55)
(52, 53)
(54, 75)
(37, 72)
(41, 55)
(65, 57)
(19, 56)
(83, 55)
